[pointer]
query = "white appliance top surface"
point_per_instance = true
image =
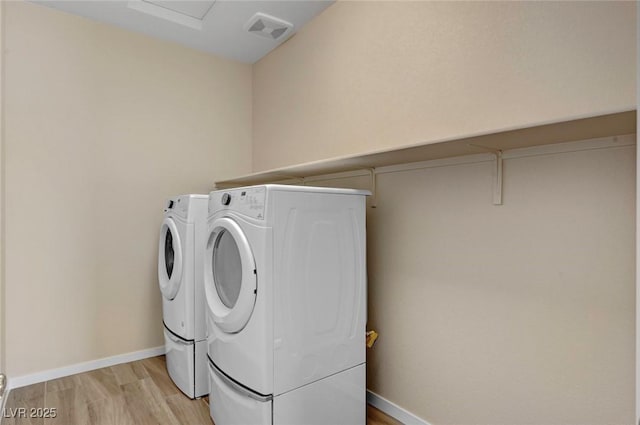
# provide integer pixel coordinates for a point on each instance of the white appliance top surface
(214, 26)
(308, 189)
(187, 207)
(192, 196)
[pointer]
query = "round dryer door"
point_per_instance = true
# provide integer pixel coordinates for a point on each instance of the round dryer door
(230, 276)
(169, 259)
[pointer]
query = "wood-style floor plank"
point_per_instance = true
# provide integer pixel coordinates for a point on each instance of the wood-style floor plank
(63, 383)
(129, 372)
(28, 393)
(156, 367)
(70, 406)
(108, 411)
(192, 412)
(147, 405)
(376, 417)
(98, 384)
(137, 393)
(19, 403)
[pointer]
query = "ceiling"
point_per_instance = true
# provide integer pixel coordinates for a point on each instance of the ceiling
(215, 26)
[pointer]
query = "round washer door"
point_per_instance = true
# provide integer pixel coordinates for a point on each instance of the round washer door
(230, 276)
(169, 259)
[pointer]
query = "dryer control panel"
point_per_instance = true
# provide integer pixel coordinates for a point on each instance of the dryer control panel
(249, 201)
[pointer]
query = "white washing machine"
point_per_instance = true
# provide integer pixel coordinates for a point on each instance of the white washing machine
(285, 284)
(181, 246)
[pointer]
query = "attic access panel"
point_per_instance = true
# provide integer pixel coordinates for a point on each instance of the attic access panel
(194, 8)
(189, 13)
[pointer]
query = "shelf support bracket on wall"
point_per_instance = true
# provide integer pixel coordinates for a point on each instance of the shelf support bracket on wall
(497, 173)
(374, 197)
(497, 181)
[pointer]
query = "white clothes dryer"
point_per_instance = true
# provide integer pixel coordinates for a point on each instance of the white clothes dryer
(285, 284)
(180, 250)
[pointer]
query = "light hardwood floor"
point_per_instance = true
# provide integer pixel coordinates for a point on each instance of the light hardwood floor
(137, 393)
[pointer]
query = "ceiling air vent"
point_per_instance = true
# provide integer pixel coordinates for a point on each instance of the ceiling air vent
(268, 27)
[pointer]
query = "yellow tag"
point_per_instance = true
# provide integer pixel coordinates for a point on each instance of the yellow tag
(371, 338)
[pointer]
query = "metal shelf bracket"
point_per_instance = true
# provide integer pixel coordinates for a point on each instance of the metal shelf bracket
(497, 181)
(497, 173)
(374, 195)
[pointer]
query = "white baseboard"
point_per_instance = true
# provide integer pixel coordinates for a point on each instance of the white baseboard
(47, 375)
(394, 410)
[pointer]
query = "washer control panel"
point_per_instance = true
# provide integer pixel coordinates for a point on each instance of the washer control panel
(249, 201)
